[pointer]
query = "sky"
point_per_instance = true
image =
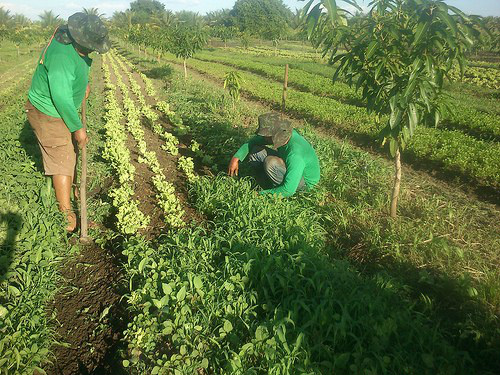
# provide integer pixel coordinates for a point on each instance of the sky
(32, 8)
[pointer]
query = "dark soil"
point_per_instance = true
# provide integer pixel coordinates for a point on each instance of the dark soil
(88, 314)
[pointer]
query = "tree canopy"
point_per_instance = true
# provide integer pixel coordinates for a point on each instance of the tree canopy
(264, 18)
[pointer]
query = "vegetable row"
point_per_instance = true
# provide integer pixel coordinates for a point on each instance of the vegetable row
(478, 123)
(129, 218)
(166, 197)
(449, 151)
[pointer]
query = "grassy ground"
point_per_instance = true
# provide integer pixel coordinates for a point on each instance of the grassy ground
(439, 256)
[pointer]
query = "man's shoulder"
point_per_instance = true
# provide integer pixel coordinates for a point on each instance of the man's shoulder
(58, 53)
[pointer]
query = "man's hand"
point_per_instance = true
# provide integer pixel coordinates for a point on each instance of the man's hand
(81, 137)
(87, 92)
(233, 167)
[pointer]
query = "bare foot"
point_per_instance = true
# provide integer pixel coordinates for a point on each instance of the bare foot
(71, 217)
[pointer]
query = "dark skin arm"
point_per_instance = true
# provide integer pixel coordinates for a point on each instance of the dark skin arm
(233, 167)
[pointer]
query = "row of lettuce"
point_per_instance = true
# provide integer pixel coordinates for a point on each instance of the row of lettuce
(449, 151)
(31, 235)
(253, 291)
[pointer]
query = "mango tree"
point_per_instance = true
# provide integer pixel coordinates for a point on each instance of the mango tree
(398, 56)
(186, 40)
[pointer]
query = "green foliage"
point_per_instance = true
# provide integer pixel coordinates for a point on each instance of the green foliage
(225, 33)
(187, 39)
(93, 11)
(390, 58)
(143, 10)
(5, 17)
(474, 118)
(219, 18)
(470, 159)
(264, 18)
(32, 242)
(232, 82)
(49, 21)
(256, 286)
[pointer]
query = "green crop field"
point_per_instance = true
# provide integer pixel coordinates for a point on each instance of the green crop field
(190, 271)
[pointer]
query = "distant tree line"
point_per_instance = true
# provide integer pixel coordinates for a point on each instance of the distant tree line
(20, 30)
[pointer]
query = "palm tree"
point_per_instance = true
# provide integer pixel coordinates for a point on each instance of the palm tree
(93, 11)
(123, 19)
(163, 19)
(5, 17)
(49, 20)
(20, 20)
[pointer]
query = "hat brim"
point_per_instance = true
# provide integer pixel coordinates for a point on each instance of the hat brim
(102, 47)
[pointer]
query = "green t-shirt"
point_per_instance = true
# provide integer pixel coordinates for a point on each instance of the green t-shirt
(59, 83)
(300, 159)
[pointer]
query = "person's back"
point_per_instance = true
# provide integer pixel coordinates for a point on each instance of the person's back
(299, 148)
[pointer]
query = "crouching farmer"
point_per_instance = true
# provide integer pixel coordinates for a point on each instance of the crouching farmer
(290, 162)
(58, 87)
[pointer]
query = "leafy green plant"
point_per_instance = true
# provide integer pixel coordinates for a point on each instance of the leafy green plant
(232, 82)
(186, 40)
(398, 57)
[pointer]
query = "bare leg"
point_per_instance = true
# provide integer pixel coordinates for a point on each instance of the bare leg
(62, 186)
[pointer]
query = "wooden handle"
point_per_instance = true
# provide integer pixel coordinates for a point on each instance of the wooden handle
(83, 179)
(285, 87)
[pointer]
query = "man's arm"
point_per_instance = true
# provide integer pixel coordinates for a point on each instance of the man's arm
(242, 153)
(246, 147)
(294, 172)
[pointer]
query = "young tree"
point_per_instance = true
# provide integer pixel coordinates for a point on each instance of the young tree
(232, 82)
(398, 56)
(19, 36)
(186, 40)
(225, 33)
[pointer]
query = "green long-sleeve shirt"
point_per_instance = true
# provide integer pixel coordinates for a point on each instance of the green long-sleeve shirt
(59, 83)
(300, 159)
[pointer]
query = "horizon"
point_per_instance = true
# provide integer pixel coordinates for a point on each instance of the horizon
(33, 8)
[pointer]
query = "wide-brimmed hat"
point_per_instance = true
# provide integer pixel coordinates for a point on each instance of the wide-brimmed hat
(89, 31)
(272, 125)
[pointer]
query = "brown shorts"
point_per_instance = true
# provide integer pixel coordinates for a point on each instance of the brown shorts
(55, 141)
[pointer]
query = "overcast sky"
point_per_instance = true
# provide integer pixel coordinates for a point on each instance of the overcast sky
(32, 8)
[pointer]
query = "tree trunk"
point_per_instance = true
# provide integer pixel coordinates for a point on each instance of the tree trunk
(159, 56)
(397, 184)
(18, 53)
(185, 70)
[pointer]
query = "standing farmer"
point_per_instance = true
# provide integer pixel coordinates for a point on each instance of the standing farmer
(291, 164)
(58, 88)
